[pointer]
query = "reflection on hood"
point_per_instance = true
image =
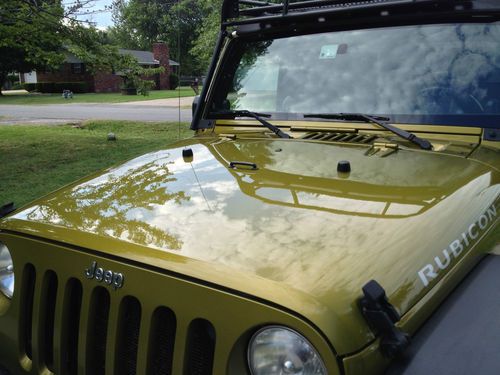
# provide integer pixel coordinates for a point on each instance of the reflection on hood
(289, 221)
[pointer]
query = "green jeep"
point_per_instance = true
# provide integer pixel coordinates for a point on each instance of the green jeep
(336, 212)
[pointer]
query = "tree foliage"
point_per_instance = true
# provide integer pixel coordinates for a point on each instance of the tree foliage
(206, 35)
(38, 34)
(94, 48)
(31, 35)
(140, 23)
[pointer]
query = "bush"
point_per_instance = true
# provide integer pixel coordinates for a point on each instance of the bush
(29, 86)
(174, 81)
(145, 86)
(13, 78)
(17, 86)
(57, 87)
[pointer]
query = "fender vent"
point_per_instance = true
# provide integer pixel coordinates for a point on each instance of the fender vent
(341, 137)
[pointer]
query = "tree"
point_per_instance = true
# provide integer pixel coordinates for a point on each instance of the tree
(93, 47)
(31, 35)
(140, 23)
(206, 36)
(35, 34)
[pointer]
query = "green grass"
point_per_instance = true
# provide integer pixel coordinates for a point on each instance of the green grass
(35, 159)
(35, 99)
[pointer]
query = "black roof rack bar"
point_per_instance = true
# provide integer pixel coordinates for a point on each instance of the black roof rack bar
(285, 7)
(255, 3)
(268, 9)
(263, 7)
(268, 16)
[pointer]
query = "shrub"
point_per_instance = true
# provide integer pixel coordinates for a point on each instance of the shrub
(45, 87)
(17, 86)
(29, 86)
(13, 78)
(145, 86)
(174, 81)
(57, 87)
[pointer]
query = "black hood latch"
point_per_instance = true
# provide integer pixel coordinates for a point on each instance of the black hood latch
(382, 317)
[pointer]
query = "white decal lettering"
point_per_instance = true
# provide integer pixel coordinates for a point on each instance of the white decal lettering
(446, 262)
(466, 240)
(492, 212)
(473, 235)
(426, 273)
(483, 222)
(456, 248)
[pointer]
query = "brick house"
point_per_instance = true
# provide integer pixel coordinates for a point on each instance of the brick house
(74, 70)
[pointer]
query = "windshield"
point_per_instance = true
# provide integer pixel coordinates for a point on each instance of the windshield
(446, 73)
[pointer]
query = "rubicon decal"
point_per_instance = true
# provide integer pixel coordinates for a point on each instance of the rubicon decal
(431, 271)
(109, 277)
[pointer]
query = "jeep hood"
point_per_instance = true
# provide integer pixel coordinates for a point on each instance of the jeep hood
(293, 232)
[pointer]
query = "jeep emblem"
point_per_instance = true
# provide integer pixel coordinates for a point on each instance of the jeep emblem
(109, 277)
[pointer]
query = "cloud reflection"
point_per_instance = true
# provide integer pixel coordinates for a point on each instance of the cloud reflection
(156, 200)
(426, 69)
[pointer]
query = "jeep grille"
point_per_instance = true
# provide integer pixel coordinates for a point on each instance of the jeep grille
(60, 308)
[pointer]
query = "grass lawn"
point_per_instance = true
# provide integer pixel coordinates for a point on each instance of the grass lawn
(35, 160)
(27, 98)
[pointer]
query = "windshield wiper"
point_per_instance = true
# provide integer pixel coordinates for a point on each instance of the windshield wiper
(258, 117)
(380, 121)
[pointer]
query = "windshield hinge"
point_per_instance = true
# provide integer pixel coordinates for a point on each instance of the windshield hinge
(491, 135)
(228, 136)
(382, 149)
(7, 209)
(382, 317)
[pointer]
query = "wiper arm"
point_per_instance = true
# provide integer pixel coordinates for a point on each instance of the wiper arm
(258, 117)
(380, 121)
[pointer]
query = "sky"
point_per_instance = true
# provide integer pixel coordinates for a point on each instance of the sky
(101, 18)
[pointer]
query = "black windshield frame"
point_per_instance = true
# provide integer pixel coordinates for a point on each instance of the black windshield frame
(236, 47)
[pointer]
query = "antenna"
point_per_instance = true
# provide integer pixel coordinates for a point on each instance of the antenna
(179, 66)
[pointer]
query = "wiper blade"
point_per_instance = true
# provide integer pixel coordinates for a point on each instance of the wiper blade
(258, 117)
(380, 121)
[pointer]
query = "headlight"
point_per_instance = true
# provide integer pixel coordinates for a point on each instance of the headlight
(6, 272)
(281, 351)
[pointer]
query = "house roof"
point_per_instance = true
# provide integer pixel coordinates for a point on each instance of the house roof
(143, 57)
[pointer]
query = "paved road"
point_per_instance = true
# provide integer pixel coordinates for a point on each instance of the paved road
(76, 112)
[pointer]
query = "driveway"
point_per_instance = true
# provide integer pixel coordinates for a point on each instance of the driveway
(158, 110)
(185, 103)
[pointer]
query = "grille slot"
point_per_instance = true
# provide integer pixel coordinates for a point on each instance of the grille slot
(97, 331)
(70, 327)
(55, 305)
(26, 311)
(340, 137)
(200, 348)
(161, 342)
(129, 321)
(47, 315)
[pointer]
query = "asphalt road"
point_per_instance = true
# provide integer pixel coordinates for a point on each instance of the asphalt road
(77, 112)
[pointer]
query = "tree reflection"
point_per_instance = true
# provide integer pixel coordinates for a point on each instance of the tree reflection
(116, 204)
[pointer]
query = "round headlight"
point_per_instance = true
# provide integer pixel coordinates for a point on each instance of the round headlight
(280, 351)
(6, 272)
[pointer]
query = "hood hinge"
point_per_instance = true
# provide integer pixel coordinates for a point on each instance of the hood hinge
(382, 149)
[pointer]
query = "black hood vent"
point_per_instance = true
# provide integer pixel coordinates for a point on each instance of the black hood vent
(341, 137)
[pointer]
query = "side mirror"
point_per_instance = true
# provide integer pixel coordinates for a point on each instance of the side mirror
(196, 102)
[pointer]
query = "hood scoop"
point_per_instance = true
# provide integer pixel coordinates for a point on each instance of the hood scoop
(341, 137)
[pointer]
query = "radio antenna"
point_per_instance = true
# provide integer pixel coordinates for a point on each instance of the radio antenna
(179, 66)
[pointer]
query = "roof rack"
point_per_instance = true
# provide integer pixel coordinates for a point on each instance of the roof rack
(238, 12)
(236, 9)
